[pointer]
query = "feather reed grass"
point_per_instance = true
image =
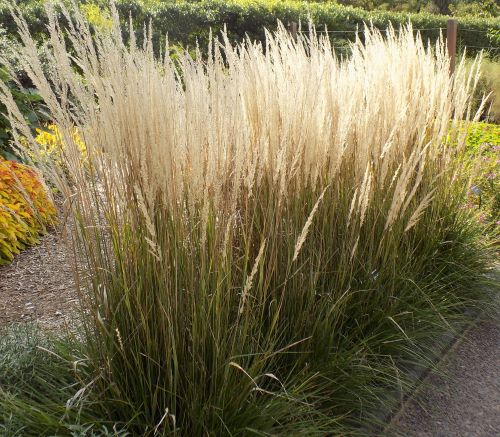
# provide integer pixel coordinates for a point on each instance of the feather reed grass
(271, 233)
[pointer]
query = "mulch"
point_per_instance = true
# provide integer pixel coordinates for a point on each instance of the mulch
(38, 286)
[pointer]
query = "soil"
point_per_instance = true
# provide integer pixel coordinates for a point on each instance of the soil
(38, 285)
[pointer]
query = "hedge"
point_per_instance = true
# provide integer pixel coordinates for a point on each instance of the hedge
(186, 22)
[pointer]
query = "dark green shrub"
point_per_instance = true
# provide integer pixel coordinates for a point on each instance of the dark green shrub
(187, 22)
(30, 104)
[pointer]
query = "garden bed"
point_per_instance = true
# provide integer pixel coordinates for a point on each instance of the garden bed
(264, 254)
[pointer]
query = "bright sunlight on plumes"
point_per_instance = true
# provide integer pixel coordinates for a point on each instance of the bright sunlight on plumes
(271, 233)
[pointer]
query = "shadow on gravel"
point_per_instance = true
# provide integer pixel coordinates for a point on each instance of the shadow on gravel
(462, 399)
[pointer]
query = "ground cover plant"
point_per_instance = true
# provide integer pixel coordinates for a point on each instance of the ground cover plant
(271, 237)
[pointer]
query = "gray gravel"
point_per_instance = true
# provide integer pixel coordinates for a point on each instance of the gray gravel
(462, 399)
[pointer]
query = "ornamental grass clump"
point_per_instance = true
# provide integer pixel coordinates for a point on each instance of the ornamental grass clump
(271, 234)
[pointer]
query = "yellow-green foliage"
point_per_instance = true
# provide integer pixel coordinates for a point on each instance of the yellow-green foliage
(483, 143)
(51, 144)
(25, 208)
(96, 16)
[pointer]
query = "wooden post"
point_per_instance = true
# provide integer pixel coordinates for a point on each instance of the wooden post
(451, 42)
(293, 29)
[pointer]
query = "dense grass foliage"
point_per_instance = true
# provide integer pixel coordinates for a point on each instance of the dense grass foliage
(188, 21)
(42, 379)
(270, 236)
(25, 208)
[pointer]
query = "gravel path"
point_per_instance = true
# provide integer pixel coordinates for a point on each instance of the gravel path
(463, 399)
(38, 285)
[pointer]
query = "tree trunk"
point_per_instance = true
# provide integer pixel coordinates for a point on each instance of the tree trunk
(443, 6)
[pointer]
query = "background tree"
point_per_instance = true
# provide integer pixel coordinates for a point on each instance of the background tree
(443, 6)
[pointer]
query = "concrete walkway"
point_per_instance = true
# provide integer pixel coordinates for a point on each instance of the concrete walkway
(463, 399)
